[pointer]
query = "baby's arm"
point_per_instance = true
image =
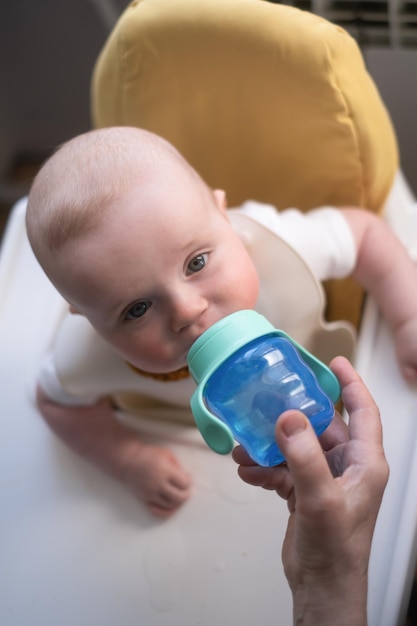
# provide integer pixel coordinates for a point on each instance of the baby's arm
(386, 271)
(152, 473)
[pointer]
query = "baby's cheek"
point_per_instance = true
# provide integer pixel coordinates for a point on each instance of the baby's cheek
(141, 354)
(248, 285)
(156, 352)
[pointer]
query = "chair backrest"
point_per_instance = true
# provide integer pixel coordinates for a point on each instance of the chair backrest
(266, 101)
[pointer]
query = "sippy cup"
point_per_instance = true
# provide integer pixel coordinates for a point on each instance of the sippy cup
(247, 374)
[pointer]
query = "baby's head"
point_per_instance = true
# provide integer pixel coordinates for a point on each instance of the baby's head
(84, 177)
(136, 241)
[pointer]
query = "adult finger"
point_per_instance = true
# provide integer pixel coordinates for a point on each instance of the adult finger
(364, 417)
(335, 433)
(241, 457)
(305, 458)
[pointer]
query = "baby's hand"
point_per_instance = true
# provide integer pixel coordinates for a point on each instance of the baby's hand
(406, 348)
(156, 478)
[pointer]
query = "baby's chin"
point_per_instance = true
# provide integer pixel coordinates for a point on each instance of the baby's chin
(159, 364)
(167, 375)
(161, 369)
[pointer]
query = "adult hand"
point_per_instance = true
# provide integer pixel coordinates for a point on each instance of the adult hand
(334, 489)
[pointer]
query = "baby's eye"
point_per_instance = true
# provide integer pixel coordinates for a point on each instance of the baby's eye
(137, 310)
(197, 263)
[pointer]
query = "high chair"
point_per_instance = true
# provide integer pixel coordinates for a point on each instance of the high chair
(269, 103)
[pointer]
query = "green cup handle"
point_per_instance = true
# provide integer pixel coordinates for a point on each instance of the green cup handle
(214, 432)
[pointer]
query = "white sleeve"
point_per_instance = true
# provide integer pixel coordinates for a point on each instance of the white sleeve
(51, 385)
(322, 237)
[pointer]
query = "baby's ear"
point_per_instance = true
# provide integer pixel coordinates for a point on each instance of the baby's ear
(220, 199)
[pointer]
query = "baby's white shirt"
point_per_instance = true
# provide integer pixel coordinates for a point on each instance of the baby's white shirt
(322, 237)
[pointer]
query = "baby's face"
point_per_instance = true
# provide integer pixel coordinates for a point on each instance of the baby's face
(161, 268)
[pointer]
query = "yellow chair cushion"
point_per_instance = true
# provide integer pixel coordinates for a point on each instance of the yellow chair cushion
(266, 101)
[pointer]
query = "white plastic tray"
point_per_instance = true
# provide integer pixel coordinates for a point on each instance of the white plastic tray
(77, 550)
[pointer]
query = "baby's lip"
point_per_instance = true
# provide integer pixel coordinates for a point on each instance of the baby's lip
(189, 347)
(192, 338)
(191, 343)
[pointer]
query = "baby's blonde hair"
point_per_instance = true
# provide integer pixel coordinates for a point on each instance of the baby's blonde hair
(74, 187)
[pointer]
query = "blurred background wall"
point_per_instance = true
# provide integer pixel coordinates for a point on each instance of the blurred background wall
(49, 47)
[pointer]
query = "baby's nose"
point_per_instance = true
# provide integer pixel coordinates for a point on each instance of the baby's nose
(186, 310)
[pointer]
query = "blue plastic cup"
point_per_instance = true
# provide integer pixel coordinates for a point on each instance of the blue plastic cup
(247, 374)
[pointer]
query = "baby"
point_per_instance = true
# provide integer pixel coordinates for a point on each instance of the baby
(147, 255)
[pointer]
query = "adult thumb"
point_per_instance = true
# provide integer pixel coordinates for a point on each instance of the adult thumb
(302, 450)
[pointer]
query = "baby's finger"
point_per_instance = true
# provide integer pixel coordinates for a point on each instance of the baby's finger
(181, 480)
(168, 499)
(161, 511)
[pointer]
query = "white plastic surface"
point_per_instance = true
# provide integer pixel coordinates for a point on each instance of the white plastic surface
(77, 550)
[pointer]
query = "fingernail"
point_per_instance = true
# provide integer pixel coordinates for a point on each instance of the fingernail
(293, 424)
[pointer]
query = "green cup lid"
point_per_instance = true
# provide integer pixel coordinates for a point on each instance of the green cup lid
(222, 339)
